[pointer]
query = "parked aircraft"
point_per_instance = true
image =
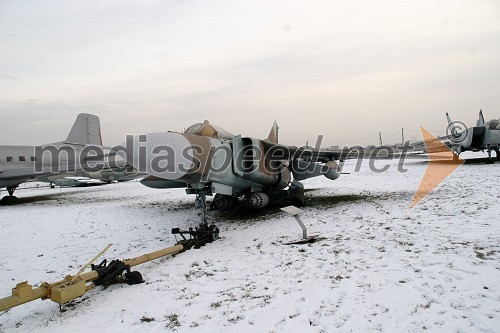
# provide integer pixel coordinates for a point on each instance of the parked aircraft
(108, 175)
(71, 181)
(207, 160)
(19, 164)
(101, 177)
(483, 136)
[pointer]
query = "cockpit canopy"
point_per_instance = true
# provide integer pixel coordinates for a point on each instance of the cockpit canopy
(494, 124)
(207, 129)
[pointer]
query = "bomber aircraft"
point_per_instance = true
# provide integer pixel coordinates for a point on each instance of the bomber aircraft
(19, 164)
(206, 159)
(483, 136)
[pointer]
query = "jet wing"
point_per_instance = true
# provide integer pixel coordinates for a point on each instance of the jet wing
(283, 152)
(15, 177)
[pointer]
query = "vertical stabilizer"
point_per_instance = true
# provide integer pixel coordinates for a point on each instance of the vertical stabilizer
(449, 119)
(451, 128)
(273, 135)
(480, 121)
(86, 130)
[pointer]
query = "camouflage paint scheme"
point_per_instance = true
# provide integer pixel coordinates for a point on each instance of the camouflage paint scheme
(208, 158)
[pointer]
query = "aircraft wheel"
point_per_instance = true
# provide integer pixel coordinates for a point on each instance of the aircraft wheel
(214, 233)
(133, 277)
(9, 200)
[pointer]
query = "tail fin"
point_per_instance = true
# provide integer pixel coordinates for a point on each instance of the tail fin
(480, 121)
(450, 123)
(86, 130)
(273, 135)
(449, 118)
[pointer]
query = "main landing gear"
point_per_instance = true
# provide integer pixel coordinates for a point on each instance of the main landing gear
(9, 199)
(490, 159)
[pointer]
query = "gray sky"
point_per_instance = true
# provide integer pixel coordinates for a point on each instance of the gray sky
(345, 69)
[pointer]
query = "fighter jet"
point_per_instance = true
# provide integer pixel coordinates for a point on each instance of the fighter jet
(19, 164)
(483, 136)
(206, 160)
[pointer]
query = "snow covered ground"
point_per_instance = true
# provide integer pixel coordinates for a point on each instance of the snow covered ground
(382, 267)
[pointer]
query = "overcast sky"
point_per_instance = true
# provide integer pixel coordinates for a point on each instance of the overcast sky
(345, 69)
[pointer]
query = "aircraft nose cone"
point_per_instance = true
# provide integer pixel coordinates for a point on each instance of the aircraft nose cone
(332, 172)
(165, 155)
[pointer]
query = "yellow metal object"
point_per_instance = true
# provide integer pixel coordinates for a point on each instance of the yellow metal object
(153, 255)
(23, 293)
(91, 261)
(22, 290)
(65, 292)
(72, 287)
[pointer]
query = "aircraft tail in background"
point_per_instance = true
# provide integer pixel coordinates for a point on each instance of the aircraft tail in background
(85, 131)
(480, 121)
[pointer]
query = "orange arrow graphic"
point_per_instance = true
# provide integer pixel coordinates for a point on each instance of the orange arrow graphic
(439, 168)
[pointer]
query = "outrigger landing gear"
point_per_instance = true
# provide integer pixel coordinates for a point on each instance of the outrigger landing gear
(9, 199)
(490, 159)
